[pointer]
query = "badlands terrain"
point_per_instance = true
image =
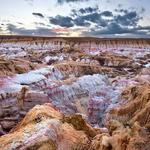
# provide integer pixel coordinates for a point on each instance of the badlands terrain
(74, 93)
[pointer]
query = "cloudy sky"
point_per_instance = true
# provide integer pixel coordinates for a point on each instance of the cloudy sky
(100, 18)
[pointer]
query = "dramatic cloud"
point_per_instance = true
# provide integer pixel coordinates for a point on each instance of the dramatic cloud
(93, 18)
(109, 23)
(67, 1)
(88, 10)
(38, 15)
(118, 24)
(128, 19)
(62, 21)
(82, 17)
(84, 11)
(92, 15)
(93, 21)
(79, 21)
(107, 13)
(105, 20)
(121, 10)
(88, 18)
(23, 31)
(114, 29)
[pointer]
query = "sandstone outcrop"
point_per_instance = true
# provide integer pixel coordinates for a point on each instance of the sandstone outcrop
(11, 67)
(136, 105)
(44, 128)
(122, 138)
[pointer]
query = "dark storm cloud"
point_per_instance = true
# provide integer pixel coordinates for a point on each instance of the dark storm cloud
(86, 16)
(124, 22)
(144, 28)
(88, 10)
(82, 17)
(107, 13)
(94, 18)
(38, 15)
(83, 11)
(67, 1)
(90, 15)
(121, 10)
(114, 28)
(128, 19)
(78, 20)
(81, 22)
(103, 23)
(23, 31)
(62, 21)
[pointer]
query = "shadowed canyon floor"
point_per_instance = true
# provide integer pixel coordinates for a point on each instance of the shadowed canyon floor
(74, 93)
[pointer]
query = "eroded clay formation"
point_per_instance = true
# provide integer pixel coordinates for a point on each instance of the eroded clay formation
(74, 93)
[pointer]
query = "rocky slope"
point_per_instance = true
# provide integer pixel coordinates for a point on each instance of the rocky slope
(96, 91)
(44, 128)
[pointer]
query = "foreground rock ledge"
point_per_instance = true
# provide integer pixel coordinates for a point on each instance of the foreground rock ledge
(44, 128)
